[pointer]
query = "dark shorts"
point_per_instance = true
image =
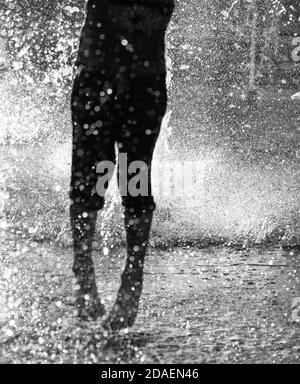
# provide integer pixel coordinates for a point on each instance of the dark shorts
(110, 113)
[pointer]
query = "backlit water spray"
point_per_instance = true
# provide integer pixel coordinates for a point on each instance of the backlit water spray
(223, 173)
(238, 190)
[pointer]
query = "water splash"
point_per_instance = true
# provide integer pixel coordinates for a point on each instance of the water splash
(244, 195)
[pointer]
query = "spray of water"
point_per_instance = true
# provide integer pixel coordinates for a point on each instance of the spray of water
(237, 200)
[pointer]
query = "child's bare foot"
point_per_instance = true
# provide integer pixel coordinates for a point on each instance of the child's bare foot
(88, 304)
(125, 309)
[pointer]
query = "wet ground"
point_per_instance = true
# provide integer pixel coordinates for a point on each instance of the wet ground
(211, 305)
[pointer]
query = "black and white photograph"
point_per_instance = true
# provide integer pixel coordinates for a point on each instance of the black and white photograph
(149, 184)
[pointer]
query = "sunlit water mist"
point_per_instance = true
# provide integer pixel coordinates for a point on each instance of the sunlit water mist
(212, 197)
(230, 199)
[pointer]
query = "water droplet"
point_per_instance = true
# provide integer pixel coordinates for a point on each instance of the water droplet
(9, 332)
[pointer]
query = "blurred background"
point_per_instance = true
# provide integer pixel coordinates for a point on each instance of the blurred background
(233, 106)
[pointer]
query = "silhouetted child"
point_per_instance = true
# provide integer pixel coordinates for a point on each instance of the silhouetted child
(119, 99)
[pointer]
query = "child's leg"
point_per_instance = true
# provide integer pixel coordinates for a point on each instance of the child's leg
(93, 141)
(140, 130)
